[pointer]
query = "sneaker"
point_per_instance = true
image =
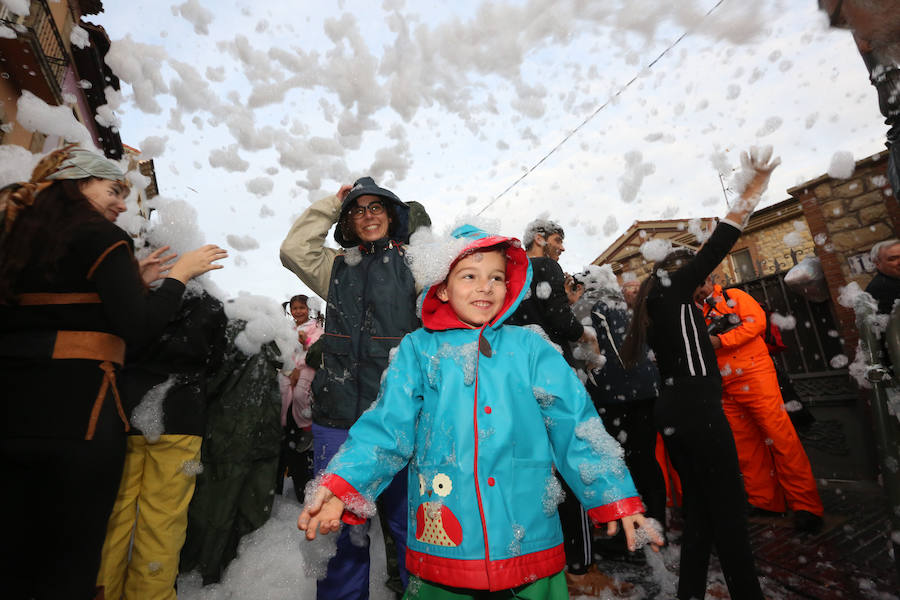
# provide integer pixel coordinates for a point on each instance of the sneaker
(807, 522)
(595, 583)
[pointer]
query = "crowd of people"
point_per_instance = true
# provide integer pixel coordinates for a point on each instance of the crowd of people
(440, 391)
(505, 422)
(506, 457)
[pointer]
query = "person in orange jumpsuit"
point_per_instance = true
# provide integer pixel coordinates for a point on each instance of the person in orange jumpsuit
(773, 462)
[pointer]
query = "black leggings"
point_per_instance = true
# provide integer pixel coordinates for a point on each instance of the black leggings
(701, 446)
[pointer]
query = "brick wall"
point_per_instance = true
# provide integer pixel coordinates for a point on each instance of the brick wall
(846, 217)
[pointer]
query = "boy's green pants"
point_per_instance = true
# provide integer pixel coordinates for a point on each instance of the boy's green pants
(547, 588)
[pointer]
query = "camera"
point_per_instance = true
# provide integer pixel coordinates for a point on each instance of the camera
(720, 324)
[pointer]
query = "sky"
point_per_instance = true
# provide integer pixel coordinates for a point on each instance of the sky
(251, 110)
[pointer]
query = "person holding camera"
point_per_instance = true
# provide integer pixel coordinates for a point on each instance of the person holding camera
(552, 292)
(548, 305)
(776, 470)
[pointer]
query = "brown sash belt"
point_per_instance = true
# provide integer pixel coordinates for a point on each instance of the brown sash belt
(107, 348)
(42, 299)
(90, 345)
(95, 345)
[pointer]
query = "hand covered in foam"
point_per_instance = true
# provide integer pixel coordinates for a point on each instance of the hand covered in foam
(757, 165)
(752, 180)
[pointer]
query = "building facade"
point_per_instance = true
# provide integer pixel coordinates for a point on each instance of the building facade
(836, 221)
(37, 55)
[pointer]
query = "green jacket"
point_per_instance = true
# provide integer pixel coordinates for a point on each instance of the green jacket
(235, 490)
(244, 414)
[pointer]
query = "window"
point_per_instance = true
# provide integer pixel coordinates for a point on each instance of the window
(742, 263)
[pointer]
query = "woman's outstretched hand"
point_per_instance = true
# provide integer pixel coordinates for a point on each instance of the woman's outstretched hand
(322, 514)
(760, 164)
(155, 266)
(757, 165)
(197, 262)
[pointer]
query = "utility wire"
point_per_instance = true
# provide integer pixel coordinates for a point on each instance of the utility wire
(594, 114)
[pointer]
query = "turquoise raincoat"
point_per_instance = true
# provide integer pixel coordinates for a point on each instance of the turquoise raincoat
(482, 416)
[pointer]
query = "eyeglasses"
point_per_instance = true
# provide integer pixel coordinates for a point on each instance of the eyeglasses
(375, 207)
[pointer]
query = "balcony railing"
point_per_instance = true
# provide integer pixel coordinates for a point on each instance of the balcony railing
(45, 41)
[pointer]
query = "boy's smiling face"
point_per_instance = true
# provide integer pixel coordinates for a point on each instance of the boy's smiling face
(476, 287)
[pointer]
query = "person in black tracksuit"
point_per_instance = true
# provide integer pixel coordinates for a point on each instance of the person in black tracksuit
(689, 410)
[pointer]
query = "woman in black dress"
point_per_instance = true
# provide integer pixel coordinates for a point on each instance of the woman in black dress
(71, 300)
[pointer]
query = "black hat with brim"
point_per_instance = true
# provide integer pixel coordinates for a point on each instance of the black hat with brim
(366, 186)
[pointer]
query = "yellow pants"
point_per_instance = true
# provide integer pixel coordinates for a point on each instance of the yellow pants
(157, 485)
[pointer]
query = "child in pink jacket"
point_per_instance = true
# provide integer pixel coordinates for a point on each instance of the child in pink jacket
(296, 400)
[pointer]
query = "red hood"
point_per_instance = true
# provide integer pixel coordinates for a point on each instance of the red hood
(439, 316)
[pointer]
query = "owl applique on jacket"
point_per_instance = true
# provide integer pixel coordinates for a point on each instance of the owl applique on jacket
(435, 523)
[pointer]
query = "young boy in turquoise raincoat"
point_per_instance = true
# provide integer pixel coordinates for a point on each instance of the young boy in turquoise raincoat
(482, 412)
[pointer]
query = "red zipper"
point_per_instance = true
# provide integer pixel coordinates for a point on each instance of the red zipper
(487, 552)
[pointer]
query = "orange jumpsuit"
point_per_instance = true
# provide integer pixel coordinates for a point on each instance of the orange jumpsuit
(773, 462)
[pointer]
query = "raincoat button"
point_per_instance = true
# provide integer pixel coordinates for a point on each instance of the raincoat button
(487, 409)
(490, 481)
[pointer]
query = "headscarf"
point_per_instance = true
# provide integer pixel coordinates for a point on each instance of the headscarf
(68, 162)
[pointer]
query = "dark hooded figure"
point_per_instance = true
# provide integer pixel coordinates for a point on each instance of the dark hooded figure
(371, 305)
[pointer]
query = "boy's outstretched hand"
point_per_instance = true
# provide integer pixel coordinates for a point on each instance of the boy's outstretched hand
(323, 513)
(639, 531)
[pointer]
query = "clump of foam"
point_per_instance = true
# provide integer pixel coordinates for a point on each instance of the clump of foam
(465, 356)
(148, 416)
(265, 323)
(352, 256)
(783, 322)
(191, 468)
(545, 399)
(594, 433)
(553, 495)
(518, 534)
(656, 249)
(430, 255)
(842, 165)
(839, 361)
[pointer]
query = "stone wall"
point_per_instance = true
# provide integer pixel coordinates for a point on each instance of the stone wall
(846, 218)
(856, 215)
(774, 243)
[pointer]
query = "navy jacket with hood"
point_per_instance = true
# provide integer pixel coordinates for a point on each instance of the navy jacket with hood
(614, 383)
(371, 305)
